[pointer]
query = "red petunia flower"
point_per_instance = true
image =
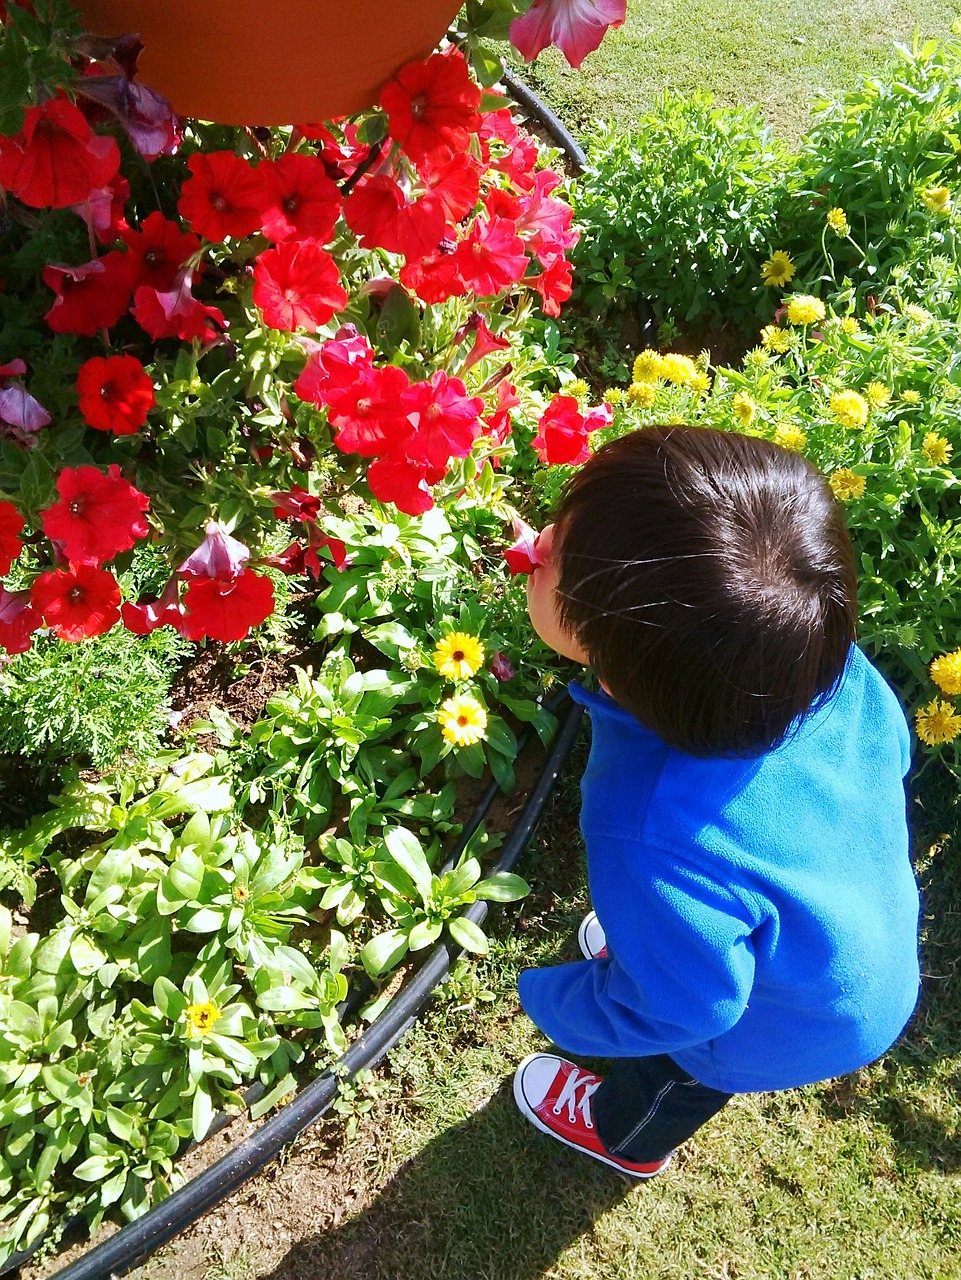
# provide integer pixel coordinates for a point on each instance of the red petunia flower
(89, 297)
(18, 621)
(176, 313)
(432, 106)
(562, 433)
(157, 251)
(434, 278)
(143, 619)
(115, 394)
(522, 556)
(576, 27)
(300, 201)
(504, 149)
(296, 504)
(224, 196)
(452, 182)
(297, 286)
(485, 341)
(333, 367)
(446, 421)
(57, 160)
(97, 516)
(11, 524)
(544, 224)
(491, 258)
(104, 209)
(381, 216)
(370, 417)
(77, 602)
(498, 424)
(404, 482)
(555, 285)
(227, 610)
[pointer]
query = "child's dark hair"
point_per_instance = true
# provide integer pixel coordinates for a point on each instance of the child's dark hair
(710, 578)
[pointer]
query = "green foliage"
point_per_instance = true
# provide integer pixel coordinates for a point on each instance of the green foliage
(874, 153)
(97, 701)
(675, 215)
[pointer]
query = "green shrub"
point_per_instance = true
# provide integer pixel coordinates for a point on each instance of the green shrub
(877, 155)
(676, 216)
(100, 700)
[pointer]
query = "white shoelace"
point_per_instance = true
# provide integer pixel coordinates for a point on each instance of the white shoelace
(567, 1096)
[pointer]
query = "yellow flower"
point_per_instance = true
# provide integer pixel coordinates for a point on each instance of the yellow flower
(681, 370)
(462, 720)
(937, 722)
(745, 410)
(789, 437)
(778, 270)
(579, 389)
(936, 449)
(917, 314)
(701, 382)
(877, 395)
(846, 484)
(838, 222)
(910, 396)
(938, 199)
(850, 409)
(946, 672)
(648, 366)
(775, 338)
(614, 395)
(804, 309)
(201, 1018)
(642, 393)
(850, 326)
(458, 656)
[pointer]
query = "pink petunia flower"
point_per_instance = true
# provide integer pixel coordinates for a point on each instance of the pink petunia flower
(576, 27)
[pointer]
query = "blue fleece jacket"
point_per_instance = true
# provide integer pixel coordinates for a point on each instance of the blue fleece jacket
(761, 915)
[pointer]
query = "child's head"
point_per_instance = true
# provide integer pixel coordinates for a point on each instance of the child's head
(709, 580)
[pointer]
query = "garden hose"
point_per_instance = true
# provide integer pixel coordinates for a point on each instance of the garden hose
(545, 117)
(137, 1240)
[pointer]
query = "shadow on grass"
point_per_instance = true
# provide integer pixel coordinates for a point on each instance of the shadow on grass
(489, 1199)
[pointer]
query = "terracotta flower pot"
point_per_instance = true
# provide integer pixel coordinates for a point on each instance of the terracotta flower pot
(272, 61)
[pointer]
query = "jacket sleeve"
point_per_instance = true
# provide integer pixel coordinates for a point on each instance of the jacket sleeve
(680, 963)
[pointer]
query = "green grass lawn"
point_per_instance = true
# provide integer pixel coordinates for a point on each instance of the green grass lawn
(782, 54)
(856, 1179)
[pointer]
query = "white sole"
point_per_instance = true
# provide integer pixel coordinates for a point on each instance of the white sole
(582, 929)
(530, 1114)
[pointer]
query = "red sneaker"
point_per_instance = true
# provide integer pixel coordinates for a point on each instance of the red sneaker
(555, 1096)
(591, 939)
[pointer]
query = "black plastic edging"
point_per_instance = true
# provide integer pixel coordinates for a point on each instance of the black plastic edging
(136, 1241)
(545, 117)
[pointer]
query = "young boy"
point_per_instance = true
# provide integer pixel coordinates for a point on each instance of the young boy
(743, 804)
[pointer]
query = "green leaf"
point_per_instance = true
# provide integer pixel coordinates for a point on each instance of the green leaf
(383, 952)
(502, 886)
(468, 935)
(406, 850)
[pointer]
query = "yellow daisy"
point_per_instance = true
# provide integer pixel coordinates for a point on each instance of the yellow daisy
(804, 309)
(579, 389)
(937, 199)
(789, 437)
(778, 270)
(936, 449)
(775, 339)
(850, 409)
(847, 484)
(701, 382)
(648, 366)
(462, 720)
(910, 396)
(937, 722)
(838, 222)
(745, 410)
(877, 395)
(850, 326)
(614, 395)
(642, 393)
(458, 656)
(681, 370)
(201, 1018)
(946, 672)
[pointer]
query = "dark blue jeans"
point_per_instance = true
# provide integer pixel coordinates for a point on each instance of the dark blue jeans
(648, 1106)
